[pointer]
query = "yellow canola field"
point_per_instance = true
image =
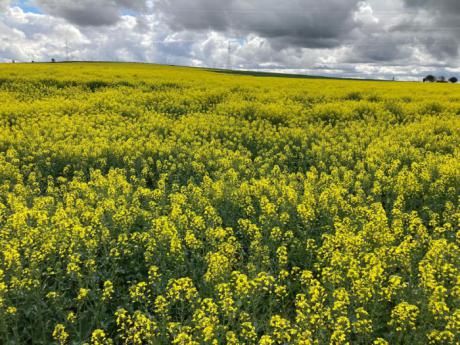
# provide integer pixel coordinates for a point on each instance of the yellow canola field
(144, 204)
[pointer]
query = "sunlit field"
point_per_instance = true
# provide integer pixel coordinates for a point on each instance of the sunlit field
(144, 204)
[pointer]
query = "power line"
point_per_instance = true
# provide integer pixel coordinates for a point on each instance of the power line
(299, 11)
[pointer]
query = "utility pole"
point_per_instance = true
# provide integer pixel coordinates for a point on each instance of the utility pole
(229, 55)
(67, 49)
(229, 47)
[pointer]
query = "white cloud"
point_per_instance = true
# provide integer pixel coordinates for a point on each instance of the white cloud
(365, 14)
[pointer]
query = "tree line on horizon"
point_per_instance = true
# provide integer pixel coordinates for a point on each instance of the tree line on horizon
(440, 79)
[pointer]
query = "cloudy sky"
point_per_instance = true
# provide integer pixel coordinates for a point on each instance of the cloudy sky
(373, 38)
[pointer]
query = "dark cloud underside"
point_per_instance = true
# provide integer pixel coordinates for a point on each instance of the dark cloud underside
(90, 12)
(303, 23)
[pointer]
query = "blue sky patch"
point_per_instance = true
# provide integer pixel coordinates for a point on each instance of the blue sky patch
(28, 6)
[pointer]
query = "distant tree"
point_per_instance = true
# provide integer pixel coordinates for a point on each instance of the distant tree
(53, 60)
(429, 79)
(453, 80)
(441, 79)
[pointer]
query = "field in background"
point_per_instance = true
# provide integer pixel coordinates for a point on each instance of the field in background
(144, 204)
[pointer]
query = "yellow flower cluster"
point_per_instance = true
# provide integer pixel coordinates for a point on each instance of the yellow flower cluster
(98, 337)
(145, 204)
(404, 317)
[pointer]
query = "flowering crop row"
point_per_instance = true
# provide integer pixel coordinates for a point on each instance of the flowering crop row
(156, 205)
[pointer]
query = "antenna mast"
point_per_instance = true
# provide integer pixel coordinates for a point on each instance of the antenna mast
(229, 55)
(229, 48)
(67, 49)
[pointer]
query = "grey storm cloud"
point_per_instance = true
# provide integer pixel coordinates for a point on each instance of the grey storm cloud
(388, 49)
(443, 6)
(90, 12)
(302, 23)
(427, 26)
(442, 29)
